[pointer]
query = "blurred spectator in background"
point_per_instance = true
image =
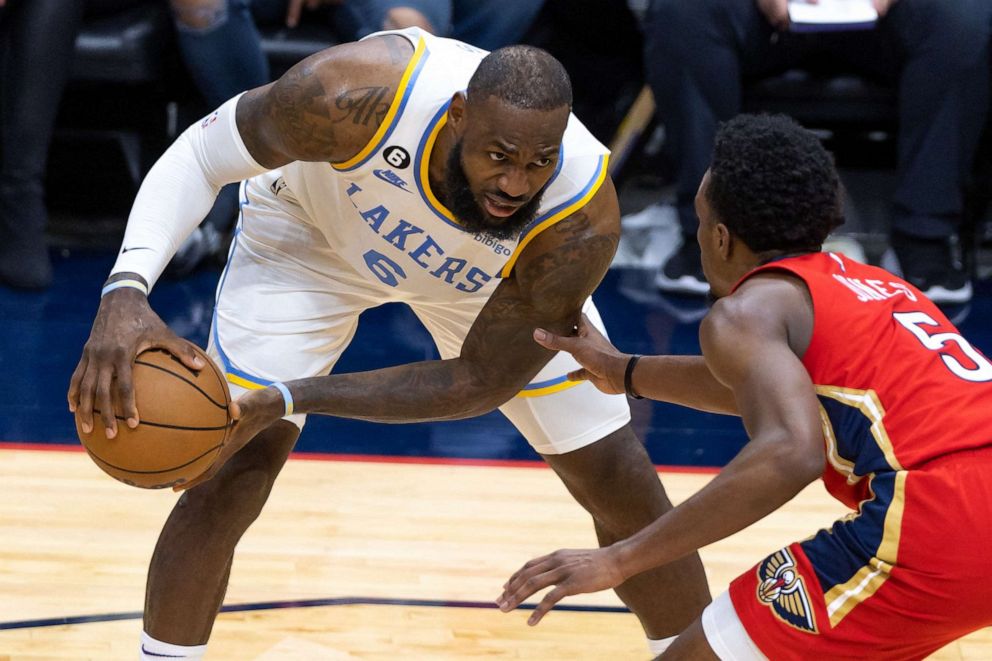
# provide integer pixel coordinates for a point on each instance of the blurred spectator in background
(699, 53)
(488, 24)
(36, 46)
(222, 49)
(223, 54)
(600, 44)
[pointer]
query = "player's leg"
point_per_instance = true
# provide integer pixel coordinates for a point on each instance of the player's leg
(614, 480)
(691, 645)
(255, 343)
(192, 560)
(586, 438)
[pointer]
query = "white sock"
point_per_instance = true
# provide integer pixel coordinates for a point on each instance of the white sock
(657, 646)
(156, 650)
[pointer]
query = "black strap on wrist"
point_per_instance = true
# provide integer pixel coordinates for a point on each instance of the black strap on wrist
(628, 375)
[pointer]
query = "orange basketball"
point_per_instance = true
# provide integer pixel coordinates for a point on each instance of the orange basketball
(184, 421)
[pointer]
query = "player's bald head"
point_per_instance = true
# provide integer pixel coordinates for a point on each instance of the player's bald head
(522, 76)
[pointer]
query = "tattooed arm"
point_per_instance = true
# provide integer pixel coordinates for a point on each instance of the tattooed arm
(553, 277)
(327, 107)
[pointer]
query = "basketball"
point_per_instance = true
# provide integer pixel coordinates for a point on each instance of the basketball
(184, 421)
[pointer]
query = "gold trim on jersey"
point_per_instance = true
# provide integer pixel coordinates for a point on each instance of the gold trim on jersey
(571, 207)
(868, 403)
(548, 390)
(841, 599)
(243, 382)
(425, 184)
(392, 114)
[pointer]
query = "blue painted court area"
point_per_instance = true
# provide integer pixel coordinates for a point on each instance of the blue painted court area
(42, 335)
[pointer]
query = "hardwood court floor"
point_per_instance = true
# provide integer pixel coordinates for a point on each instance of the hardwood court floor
(427, 545)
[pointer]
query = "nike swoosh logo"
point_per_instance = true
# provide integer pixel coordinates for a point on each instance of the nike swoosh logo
(140, 248)
(399, 183)
(162, 656)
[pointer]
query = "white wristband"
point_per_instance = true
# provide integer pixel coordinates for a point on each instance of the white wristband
(287, 396)
(131, 284)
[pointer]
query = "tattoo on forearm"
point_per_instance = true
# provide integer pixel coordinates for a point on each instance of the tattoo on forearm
(563, 277)
(363, 104)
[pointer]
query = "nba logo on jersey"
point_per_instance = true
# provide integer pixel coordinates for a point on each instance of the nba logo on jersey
(782, 589)
(209, 119)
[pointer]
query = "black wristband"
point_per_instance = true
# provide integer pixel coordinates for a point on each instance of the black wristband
(628, 374)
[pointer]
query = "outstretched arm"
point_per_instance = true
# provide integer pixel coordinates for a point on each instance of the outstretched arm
(746, 348)
(553, 277)
(684, 380)
(318, 111)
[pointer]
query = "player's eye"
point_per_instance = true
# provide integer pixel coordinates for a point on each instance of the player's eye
(496, 156)
(542, 162)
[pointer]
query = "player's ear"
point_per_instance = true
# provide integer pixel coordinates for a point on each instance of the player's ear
(456, 111)
(724, 241)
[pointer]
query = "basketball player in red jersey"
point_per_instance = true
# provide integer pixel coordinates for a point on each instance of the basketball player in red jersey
(838, 369)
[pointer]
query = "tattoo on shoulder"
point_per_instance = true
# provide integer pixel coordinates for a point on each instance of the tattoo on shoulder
(297, 105)
(363, 104)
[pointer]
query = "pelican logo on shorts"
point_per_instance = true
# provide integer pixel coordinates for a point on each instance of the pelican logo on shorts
(781, 588)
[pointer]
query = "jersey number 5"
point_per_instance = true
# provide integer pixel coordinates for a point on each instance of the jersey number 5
(916, 323)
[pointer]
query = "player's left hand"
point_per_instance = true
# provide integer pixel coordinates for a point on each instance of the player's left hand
(251, 413)
(570, 571)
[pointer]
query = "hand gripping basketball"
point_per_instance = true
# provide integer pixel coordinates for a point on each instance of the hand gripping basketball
(125, 326)
(250, 414)
(103, 383)
(185, 421)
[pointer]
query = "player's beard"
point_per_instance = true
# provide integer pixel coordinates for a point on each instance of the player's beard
(460, 200)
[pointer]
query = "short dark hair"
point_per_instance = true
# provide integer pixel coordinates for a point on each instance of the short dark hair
(773, 184)
(523, 76)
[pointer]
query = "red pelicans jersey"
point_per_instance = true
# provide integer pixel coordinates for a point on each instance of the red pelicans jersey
(897, 384)
(907, 427)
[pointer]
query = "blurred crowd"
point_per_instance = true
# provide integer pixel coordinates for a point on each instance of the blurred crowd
(696, 58)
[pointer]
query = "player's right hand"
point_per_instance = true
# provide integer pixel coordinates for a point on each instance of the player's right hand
(125, 325)
(602, 364)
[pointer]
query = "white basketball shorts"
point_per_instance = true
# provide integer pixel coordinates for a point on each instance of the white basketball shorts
(287, 307)
(726, 634)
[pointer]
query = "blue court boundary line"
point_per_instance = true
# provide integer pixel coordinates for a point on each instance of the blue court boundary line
(305, 603)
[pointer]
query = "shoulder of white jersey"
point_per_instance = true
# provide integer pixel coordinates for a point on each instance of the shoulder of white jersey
(582, 169)
(449, 53)
(438, 68)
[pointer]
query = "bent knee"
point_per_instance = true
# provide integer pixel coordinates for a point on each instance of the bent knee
(236, 494)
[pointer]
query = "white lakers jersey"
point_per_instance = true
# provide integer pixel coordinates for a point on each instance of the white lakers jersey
(378, 212)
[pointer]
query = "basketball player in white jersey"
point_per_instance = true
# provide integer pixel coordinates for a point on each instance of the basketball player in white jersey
(408, 168)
